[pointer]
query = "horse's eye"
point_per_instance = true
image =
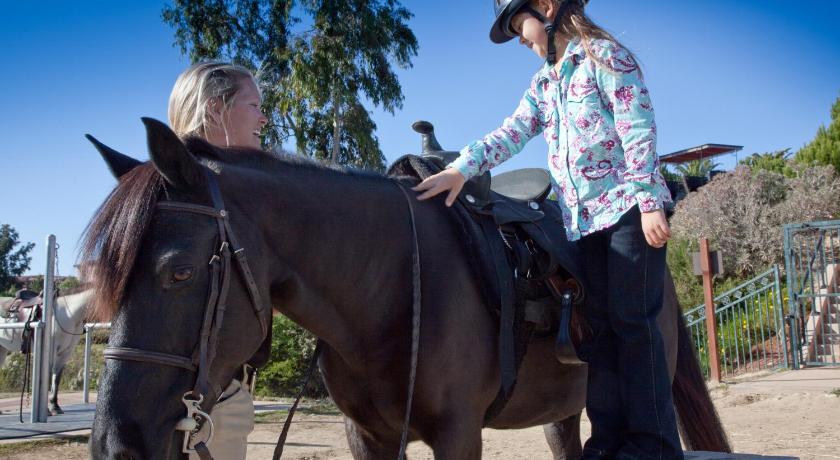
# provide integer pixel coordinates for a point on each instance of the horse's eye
(182, 274)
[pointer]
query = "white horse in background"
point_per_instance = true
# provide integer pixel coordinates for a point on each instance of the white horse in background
(68, 328)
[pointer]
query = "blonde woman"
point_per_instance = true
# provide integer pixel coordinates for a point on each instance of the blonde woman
(220, 103)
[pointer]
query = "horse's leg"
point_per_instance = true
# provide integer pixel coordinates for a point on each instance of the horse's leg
(363, 445)
(55, 409)
(457, 439)
(564, 438)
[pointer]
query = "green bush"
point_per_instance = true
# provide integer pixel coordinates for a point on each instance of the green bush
(291, 351)
(688, 285)
(825, 148)
(11, 374)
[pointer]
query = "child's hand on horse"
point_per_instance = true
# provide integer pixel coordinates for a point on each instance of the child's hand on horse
(447, 180)
(655, 227)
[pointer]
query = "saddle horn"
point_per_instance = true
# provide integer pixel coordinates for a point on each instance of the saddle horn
(428, 141)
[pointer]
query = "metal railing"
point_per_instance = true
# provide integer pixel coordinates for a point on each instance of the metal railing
(42, 340)
(812, 262)
(750, 327)
(37, 340)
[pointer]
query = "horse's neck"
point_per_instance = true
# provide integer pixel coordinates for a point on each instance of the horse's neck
(347, 241)
(74, 305)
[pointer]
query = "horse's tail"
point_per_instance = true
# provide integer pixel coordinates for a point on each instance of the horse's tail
(699, 423)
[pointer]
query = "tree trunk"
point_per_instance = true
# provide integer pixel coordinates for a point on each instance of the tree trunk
(299, 136)
(336, 147)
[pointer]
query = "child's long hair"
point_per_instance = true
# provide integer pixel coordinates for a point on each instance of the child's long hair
(576, 24)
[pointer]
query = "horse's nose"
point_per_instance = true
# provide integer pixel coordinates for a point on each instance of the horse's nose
(106, 443)
(126, 454)
(115, 449)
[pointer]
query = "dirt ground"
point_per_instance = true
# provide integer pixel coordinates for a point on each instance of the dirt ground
(791, 414)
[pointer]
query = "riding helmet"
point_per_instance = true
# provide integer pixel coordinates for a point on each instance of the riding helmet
(505, 10)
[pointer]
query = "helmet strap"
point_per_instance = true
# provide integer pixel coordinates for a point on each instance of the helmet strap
(550, 28)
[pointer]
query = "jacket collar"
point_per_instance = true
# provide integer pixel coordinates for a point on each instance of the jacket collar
(573, 55)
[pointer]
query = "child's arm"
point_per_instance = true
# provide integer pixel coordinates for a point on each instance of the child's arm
(630, 104)
(501, 144)
(506, 141)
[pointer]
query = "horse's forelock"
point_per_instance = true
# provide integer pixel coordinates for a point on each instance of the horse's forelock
(112, 239)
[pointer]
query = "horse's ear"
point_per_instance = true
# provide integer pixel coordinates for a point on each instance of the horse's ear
(118, 163)
(170, 156)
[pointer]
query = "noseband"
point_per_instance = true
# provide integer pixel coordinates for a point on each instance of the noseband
(202, 358)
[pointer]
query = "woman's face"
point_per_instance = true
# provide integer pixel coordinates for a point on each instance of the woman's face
(241, 124)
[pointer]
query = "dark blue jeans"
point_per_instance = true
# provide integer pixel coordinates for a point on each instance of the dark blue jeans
(628, 398)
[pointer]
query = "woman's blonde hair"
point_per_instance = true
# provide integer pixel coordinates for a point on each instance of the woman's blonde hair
(576, 24)
(196, 88)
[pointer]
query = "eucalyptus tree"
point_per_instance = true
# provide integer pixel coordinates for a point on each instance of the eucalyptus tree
(319, 63)
(14, 256)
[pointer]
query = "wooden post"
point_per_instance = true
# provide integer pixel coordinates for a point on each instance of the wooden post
(711, 323)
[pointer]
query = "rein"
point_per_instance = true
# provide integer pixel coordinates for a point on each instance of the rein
(417, 302)
(220, 268)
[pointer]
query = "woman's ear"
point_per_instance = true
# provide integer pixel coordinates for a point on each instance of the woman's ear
(214, 111)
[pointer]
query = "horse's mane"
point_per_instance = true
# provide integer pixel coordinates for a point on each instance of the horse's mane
(112, 239)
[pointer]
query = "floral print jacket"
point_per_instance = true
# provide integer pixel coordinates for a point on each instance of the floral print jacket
(601, 134)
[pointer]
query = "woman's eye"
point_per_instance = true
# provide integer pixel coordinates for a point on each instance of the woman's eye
(182, 274)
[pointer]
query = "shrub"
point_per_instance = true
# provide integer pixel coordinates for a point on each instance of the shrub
(742, 212)
(291, 351)
(778, 162)
(689, 286)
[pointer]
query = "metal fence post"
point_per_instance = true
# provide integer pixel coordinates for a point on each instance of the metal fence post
(46, 349)
(711, 320)
(86, 384)
(37, 330)
(778, 308)
(793, 310)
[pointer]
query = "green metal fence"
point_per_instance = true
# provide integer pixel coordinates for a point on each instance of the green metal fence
(812, 263)
(750, 327)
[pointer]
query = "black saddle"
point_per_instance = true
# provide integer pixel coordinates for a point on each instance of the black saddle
(516, 239)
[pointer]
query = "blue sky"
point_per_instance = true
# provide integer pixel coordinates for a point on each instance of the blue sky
(757, 73)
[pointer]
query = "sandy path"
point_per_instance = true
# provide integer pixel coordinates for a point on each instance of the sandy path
(781, 414)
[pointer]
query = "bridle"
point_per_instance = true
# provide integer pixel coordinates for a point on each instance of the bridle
(202, 358)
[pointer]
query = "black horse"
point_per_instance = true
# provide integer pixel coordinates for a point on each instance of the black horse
(332, 250)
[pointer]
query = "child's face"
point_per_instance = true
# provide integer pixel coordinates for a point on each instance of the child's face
(531, 33)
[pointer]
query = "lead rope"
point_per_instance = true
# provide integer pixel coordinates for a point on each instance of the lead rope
(281, 441)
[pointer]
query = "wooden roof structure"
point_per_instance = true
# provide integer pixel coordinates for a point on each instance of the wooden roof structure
(698, 153)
